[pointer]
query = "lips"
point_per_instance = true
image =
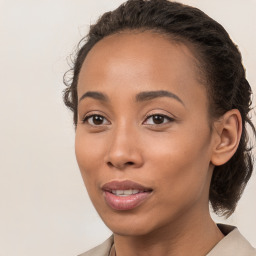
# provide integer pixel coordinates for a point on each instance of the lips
(125, 195)
(124, 185)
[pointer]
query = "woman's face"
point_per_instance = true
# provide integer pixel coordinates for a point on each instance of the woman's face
(143, 142)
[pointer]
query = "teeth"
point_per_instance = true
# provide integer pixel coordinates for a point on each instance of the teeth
(119, 192)
(128, 192)
(125, 192)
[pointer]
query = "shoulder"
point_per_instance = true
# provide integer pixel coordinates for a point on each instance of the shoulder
(100, 250)
(233, 244)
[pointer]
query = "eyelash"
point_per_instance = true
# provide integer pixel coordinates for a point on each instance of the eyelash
(170, 119)
(86, 118)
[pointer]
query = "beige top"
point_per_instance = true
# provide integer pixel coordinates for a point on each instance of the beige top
(233, 244)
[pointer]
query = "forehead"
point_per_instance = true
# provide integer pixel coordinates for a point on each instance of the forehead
(139, 61)
(146, 49)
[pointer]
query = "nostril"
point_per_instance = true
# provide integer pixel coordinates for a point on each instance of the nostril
(119, 165)
(110, 164)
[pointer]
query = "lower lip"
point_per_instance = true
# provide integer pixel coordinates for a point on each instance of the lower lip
(124, 203)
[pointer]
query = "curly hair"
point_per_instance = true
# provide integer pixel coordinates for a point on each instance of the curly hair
(219, 61)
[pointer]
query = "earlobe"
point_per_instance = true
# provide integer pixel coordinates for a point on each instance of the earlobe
(228, 130)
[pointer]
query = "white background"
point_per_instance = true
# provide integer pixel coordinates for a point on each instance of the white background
(44, 207)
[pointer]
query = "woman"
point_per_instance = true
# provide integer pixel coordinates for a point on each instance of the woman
(160, 104)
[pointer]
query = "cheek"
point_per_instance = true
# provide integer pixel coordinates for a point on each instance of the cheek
(181, 162)
(89, 154)
(90, 158)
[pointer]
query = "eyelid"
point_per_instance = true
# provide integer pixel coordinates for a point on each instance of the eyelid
(91, 114)
(170, 119)
(149, 115)
(165, 116)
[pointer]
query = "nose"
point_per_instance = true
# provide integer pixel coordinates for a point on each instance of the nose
(124, 150)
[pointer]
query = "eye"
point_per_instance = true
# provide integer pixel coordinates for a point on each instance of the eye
(158, 119)
(95, 120)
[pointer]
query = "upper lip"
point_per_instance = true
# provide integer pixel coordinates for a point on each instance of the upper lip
(124, 185)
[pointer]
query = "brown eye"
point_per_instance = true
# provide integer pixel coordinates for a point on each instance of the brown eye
(95, 120)
(158, 119)
(98, 120)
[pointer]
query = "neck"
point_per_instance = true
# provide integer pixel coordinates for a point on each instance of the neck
(196, 237)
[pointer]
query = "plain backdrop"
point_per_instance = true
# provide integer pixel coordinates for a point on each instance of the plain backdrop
(44, 207)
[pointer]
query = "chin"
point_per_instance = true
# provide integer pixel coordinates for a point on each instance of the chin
(127, 230)
(125, 224)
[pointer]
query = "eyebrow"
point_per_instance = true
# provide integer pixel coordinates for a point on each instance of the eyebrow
(140, 97)
(95, 95)
(145, 96)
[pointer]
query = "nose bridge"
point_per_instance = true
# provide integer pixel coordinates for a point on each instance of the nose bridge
(124, 148)
(122, 138)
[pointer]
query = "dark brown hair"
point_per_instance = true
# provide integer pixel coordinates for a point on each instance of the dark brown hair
(220, 62)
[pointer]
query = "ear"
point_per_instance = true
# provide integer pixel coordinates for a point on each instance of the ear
(227, 134)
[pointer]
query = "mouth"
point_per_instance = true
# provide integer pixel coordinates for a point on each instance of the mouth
(127, 192)
(125, 195)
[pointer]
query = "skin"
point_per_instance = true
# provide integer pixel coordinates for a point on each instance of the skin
(176, 158)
